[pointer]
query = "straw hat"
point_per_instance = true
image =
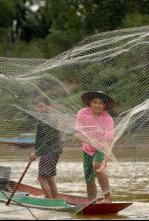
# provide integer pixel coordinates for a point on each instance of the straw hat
(89, 96)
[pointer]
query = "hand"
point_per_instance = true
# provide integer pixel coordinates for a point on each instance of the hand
(94, 143)
(33, 157)
(102, 168)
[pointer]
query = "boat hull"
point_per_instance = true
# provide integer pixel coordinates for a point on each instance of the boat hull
(64, 203)
(101, 209)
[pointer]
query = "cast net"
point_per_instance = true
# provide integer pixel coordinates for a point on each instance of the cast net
(39, 104)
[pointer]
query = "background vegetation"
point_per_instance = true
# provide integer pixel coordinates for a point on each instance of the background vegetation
(45, 28)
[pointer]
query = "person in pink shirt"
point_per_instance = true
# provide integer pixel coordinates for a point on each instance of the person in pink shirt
(95, 128)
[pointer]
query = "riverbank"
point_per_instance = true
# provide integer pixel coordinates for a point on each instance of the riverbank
(124, 150)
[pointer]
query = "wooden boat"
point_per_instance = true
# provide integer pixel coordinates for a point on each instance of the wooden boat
(21, 142)
(18, 141)
(32, 197)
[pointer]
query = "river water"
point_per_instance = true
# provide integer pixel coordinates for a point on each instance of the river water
(70, 180)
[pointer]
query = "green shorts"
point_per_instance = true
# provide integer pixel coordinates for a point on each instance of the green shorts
(88, 164)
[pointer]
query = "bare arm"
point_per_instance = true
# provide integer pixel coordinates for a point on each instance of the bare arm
(108, 147)
(84, 139)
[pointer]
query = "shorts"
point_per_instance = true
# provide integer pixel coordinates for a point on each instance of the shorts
(88, 164)
(47, 165)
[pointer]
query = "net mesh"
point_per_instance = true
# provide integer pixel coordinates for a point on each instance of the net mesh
(41, 112)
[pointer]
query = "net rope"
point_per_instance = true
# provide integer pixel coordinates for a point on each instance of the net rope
(40, 105)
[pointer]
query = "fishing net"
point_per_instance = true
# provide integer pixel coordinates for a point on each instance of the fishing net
(40, 109)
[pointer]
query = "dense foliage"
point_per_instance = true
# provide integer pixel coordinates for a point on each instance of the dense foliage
(56, 25)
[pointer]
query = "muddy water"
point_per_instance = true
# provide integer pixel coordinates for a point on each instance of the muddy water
(70, 180)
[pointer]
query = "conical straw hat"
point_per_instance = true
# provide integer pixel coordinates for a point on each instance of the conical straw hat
(88, 96)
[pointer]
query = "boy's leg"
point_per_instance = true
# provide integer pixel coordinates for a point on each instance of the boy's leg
(92, 190)
(52, 173)
(48, 186)
(102, 177)
(45, 187)
(47, 171)
(89, 177)
(53, 186)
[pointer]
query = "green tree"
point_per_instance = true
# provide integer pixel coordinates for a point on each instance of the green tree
(6, 18)
(135, 20)
(90, 15)
(102, 15)
(63, 14)
(136, 13)
(7, 13)
(137, 6)
(13, 18)
(58, 24)
(27, 21)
